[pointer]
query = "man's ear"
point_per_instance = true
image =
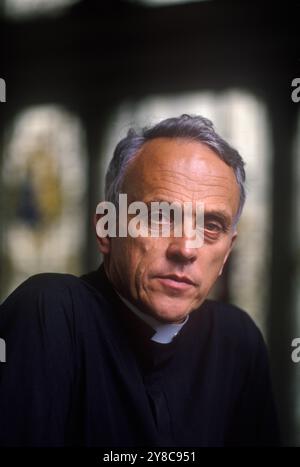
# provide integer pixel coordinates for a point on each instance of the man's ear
(103, 242)
(233, 239)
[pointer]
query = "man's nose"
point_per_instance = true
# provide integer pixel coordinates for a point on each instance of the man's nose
(178, 250)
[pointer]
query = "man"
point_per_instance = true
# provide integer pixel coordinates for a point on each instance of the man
(133, 354)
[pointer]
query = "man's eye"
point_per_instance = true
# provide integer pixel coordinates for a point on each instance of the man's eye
(213, 227)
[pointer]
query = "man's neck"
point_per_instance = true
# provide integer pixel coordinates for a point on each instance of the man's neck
(165, 332)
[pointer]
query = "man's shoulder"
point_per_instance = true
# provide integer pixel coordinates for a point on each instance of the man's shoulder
(233, 324)
(42, 285)
(48, 295)
(232, 314)
(56, 307)
(49, 283)
(56, 296)
(45, 280)
(37, 295)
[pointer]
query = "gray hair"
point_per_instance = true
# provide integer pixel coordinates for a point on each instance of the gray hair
(191, 127)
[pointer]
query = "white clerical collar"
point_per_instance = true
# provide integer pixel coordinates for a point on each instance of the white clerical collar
(165, 332)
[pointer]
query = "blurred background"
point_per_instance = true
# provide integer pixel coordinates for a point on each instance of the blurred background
(79, 73)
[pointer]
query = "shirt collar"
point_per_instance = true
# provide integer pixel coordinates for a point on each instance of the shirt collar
(165, 332)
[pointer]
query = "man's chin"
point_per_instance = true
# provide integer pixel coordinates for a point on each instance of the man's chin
(168, 312)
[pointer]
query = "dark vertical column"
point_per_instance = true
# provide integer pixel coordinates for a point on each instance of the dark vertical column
(3, 123)
(95, 125)
(2, 272)
(6, 122)
(90, 124)
(281, 319)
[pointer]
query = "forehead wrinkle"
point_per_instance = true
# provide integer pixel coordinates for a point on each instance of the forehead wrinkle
(182, 180)
(167, 191)
(174, 174)
(193, 187)
(177, 172)
(220, 195)
(196, 188)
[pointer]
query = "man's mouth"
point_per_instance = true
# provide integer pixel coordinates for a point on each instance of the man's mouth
(176, 282)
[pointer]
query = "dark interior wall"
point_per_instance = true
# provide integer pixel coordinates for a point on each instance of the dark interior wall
(99, 53)
(104, 51)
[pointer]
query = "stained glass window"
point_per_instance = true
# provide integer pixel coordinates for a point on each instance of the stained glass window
(43, 204)
(20, 9)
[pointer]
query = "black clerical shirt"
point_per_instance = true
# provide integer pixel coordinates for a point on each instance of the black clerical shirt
(81, 370)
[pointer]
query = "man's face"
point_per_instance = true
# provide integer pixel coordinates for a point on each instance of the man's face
(162, 276)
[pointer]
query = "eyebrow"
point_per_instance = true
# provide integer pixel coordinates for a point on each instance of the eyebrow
(158, 200)
(218, 214)
(148, 203)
